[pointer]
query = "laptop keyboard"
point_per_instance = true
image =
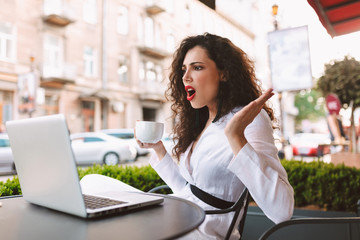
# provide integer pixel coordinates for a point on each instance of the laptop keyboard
(93, 202)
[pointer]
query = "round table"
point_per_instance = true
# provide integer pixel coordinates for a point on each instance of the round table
(173, 218)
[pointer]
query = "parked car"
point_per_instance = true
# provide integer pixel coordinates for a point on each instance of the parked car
(127, 134)
(6, 158)
(97, 147)
(310, 144)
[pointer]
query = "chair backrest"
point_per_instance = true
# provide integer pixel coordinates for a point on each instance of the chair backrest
(242, 202)
(242, 221)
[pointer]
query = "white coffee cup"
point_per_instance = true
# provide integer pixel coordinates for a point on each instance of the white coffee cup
(149, 132)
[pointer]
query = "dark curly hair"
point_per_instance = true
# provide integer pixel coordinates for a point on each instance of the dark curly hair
(239, 88)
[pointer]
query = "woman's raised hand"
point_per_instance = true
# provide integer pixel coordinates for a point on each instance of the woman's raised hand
(235, 128)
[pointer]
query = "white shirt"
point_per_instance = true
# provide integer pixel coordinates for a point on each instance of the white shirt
(217, 171)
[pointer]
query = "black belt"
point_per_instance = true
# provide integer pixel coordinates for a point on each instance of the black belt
(210, 199)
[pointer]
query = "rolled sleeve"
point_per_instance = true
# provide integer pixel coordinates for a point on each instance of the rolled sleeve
(168, 170)
(258, 167)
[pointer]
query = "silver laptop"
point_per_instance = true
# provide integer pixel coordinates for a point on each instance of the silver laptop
(47, 170)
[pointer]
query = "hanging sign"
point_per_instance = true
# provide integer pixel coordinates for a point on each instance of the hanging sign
(333, 103)
(289, 55)
(27, 92)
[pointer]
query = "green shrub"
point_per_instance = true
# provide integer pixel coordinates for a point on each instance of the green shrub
(315, 183)
(143, 178)
(325, 185)
(10, 187)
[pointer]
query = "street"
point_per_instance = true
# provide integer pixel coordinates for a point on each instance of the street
(141, 161)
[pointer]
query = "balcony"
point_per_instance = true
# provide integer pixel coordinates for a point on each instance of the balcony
(61, 16)
(152, 91)
(57, 20)
(154, 52)
(154, 8)
(57, 79)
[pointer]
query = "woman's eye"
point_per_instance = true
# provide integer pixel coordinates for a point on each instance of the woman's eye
(198, 67)
(183, 71)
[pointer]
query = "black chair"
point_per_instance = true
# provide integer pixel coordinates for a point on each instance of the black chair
(243, 201)
(311, 222)
(312, 225)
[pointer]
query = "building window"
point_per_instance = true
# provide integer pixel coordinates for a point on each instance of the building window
(88, 115)
(50, 105)
(89, 11)
(149, 114)
(159, 73)
(53, 7)
(142, 72)
(123, 21)
(123, 69)
(53, 56)
(157, 34)
(170, 42)
(150, 71)
(7, 42)
(140, 28)
(149, 32)
(89, 62)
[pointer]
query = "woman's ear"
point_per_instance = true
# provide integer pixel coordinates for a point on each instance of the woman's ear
(222, 77)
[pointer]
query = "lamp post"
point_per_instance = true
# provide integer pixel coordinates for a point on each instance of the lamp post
(32, 62)
(275, 9)
(32, 71)
(27, 86)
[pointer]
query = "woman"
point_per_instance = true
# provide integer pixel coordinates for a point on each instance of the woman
(221, 146)
(224, 135)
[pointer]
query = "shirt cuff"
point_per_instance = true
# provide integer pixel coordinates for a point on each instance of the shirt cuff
(154, 160)
(158, 164)
(246, 159)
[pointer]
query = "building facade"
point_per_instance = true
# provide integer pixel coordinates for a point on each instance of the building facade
(101, 63)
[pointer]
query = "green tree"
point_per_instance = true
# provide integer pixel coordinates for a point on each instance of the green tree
(342, 77)
(310, 104)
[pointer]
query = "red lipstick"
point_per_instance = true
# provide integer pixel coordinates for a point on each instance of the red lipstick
(190, 92)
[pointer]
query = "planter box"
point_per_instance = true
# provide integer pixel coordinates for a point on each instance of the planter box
(347, 158)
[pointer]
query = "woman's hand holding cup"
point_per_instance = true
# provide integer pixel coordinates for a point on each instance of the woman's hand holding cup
(148, 135)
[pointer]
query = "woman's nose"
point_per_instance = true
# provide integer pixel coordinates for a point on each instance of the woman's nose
(186, 77)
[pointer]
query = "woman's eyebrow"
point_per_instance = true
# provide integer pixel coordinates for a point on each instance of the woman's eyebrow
(193, 63)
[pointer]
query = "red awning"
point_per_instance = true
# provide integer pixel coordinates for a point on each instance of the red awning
(339, 17)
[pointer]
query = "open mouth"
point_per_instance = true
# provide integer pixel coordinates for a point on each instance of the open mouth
(190, 93)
